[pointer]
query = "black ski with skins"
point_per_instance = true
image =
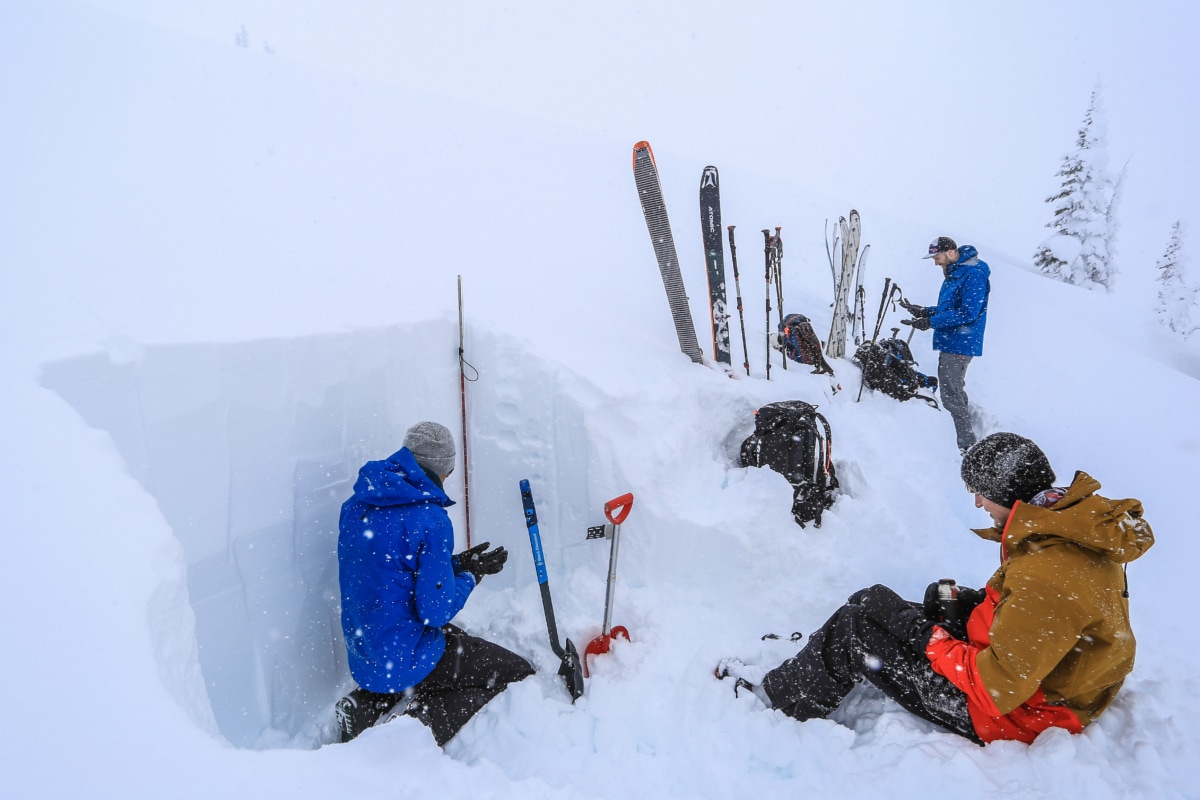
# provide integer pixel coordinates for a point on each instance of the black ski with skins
(714, 259)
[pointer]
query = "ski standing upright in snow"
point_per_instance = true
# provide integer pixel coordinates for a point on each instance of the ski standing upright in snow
(842, 312)
(645, 175)
(714, 258)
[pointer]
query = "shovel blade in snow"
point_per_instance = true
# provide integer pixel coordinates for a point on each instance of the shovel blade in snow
(572, 671)
(601, 643)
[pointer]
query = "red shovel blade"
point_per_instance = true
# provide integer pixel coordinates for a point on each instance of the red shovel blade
(601, 643)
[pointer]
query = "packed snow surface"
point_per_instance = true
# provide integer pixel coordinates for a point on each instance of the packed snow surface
(233, 235)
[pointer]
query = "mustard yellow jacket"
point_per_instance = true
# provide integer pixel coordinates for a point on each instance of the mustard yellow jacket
(1054, 634)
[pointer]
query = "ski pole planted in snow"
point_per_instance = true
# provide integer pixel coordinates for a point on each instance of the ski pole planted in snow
(615, 510)
(767, 259)
(737, 285)
(887, 286)
(777, 256)
(571, 668)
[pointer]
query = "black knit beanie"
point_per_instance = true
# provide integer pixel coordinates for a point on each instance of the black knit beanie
(1005, 468)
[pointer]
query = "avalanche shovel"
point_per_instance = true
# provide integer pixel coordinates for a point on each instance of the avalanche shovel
(615, 510)
(571, 668)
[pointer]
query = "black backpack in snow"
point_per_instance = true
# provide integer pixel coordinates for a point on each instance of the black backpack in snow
(800, 343)
(887, 366)
(791, 438)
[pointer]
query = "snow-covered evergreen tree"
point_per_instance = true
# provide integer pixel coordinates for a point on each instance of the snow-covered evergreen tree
(1176, 298)
(1081, 250)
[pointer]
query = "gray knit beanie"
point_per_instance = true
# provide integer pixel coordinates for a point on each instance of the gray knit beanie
(432, 445)
(1005, 468)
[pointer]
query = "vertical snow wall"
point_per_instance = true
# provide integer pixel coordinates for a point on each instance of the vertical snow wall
(250, 449)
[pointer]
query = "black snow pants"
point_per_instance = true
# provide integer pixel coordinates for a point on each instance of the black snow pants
(469, 674)
(873, 637)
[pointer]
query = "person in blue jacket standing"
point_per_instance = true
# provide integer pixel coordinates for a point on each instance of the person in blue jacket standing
(958, 321)
(401, 585)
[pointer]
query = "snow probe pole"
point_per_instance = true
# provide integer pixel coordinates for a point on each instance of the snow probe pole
(767, 257)
(463, 366)
(615, 511)
(738, 288)
(571, 668)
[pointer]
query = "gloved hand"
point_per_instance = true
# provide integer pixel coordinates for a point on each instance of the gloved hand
(952, 615)
(937, 635)
(918, 312)
(920, 323)
(460, 560)
(480, 563)
(926, 631)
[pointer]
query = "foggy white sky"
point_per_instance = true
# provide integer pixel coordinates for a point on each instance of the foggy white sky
(882, 103)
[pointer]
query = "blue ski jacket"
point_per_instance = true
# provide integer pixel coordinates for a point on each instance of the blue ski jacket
(960, 315)
(397, 574)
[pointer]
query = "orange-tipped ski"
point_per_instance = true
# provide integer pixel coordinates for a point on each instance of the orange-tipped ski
(645, 176)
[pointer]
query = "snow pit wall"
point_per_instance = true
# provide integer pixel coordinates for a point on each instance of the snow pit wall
(250, 449)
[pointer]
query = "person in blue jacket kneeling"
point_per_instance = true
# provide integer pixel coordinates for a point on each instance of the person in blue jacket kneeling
(958, 321)
(401, 585)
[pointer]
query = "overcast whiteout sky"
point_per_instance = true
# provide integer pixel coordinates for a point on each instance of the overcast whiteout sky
(819, 92)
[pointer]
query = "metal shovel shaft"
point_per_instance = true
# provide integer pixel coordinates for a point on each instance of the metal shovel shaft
(612, 577)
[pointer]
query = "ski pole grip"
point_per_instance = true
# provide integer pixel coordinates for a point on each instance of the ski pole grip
(617, 509)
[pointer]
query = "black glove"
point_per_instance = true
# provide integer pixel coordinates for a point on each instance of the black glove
(480, 563)
(952, 614)
(920, 323)
(918, 312)
(460, 560)
(923, 633)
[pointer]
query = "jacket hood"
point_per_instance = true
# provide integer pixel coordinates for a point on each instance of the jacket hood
(1113, 528)
(397, 481)
(968, 257)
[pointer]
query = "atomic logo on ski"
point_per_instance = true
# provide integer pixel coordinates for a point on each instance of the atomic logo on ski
(714, 258)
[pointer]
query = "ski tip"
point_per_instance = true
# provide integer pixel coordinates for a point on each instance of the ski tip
(640, 146)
